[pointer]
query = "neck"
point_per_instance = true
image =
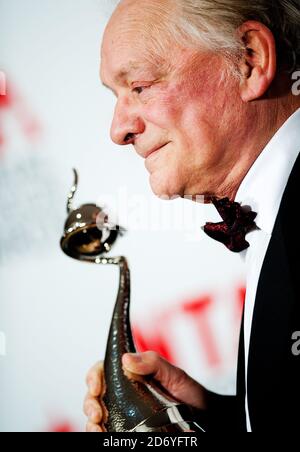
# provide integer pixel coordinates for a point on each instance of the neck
(264, 121)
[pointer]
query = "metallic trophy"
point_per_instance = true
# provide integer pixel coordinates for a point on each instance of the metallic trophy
(133, 406)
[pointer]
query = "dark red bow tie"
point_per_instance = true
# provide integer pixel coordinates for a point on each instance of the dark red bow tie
(238, 221)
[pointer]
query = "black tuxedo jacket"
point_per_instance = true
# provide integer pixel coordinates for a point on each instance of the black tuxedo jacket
(273, 380)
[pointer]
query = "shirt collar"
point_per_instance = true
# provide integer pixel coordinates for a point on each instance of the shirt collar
(264, 185)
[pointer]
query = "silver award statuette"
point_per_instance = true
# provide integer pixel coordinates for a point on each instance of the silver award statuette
(133, 406)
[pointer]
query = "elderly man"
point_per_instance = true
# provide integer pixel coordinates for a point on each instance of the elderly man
(205, 95)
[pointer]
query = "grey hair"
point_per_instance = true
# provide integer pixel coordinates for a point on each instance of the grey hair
(213, 23)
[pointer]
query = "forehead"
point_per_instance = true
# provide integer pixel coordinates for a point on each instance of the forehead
(120, 58)
(128, 41)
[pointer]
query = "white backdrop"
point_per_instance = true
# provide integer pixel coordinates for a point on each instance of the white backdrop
(55, 312)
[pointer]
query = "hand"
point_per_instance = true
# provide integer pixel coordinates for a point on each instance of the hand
(178, 384)
(94, 407)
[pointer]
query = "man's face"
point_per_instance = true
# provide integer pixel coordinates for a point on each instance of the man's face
(174, 111)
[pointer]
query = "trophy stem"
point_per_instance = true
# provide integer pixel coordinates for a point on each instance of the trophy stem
(133, 405)
(120, 340)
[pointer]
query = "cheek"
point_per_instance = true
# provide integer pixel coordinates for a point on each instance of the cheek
(182, 107)
(202, 116)
(166, 107)
(196, 117)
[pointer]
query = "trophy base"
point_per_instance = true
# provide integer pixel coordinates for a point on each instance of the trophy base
(179, 427)
(177, 418)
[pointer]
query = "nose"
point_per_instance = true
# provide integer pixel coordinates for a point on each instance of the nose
(126, 124)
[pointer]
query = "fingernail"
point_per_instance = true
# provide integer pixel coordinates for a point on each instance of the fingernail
(132, 358)
(136, 357)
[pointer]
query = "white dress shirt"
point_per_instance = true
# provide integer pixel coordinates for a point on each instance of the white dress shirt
(262, 189)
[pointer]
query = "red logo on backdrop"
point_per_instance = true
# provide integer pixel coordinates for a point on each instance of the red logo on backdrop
(62, 427)
(14, 105)
(198, 313)
(2, 84)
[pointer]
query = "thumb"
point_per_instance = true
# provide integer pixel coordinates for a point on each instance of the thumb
(174, 380)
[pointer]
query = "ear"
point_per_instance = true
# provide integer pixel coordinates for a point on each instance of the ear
(258, 64)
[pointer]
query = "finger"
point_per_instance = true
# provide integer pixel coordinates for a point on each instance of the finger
(94, 404)
(93, 409)
(149, 363)
(103, 429)
(174, 380)
(104, 413)
(93, 428)
(95, 380)
(141, 363)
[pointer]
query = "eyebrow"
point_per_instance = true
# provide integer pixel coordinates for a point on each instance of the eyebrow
(124, 73)
(126, 70)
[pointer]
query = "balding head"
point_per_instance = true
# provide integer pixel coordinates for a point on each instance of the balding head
(146, 24)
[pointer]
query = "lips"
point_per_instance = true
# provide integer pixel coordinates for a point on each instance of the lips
(154, 150)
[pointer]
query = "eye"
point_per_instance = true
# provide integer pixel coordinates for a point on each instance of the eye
(139, 89)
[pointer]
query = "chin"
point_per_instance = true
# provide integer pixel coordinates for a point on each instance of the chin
(164, 186)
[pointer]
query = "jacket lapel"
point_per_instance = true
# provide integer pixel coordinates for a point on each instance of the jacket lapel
(273, 382)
